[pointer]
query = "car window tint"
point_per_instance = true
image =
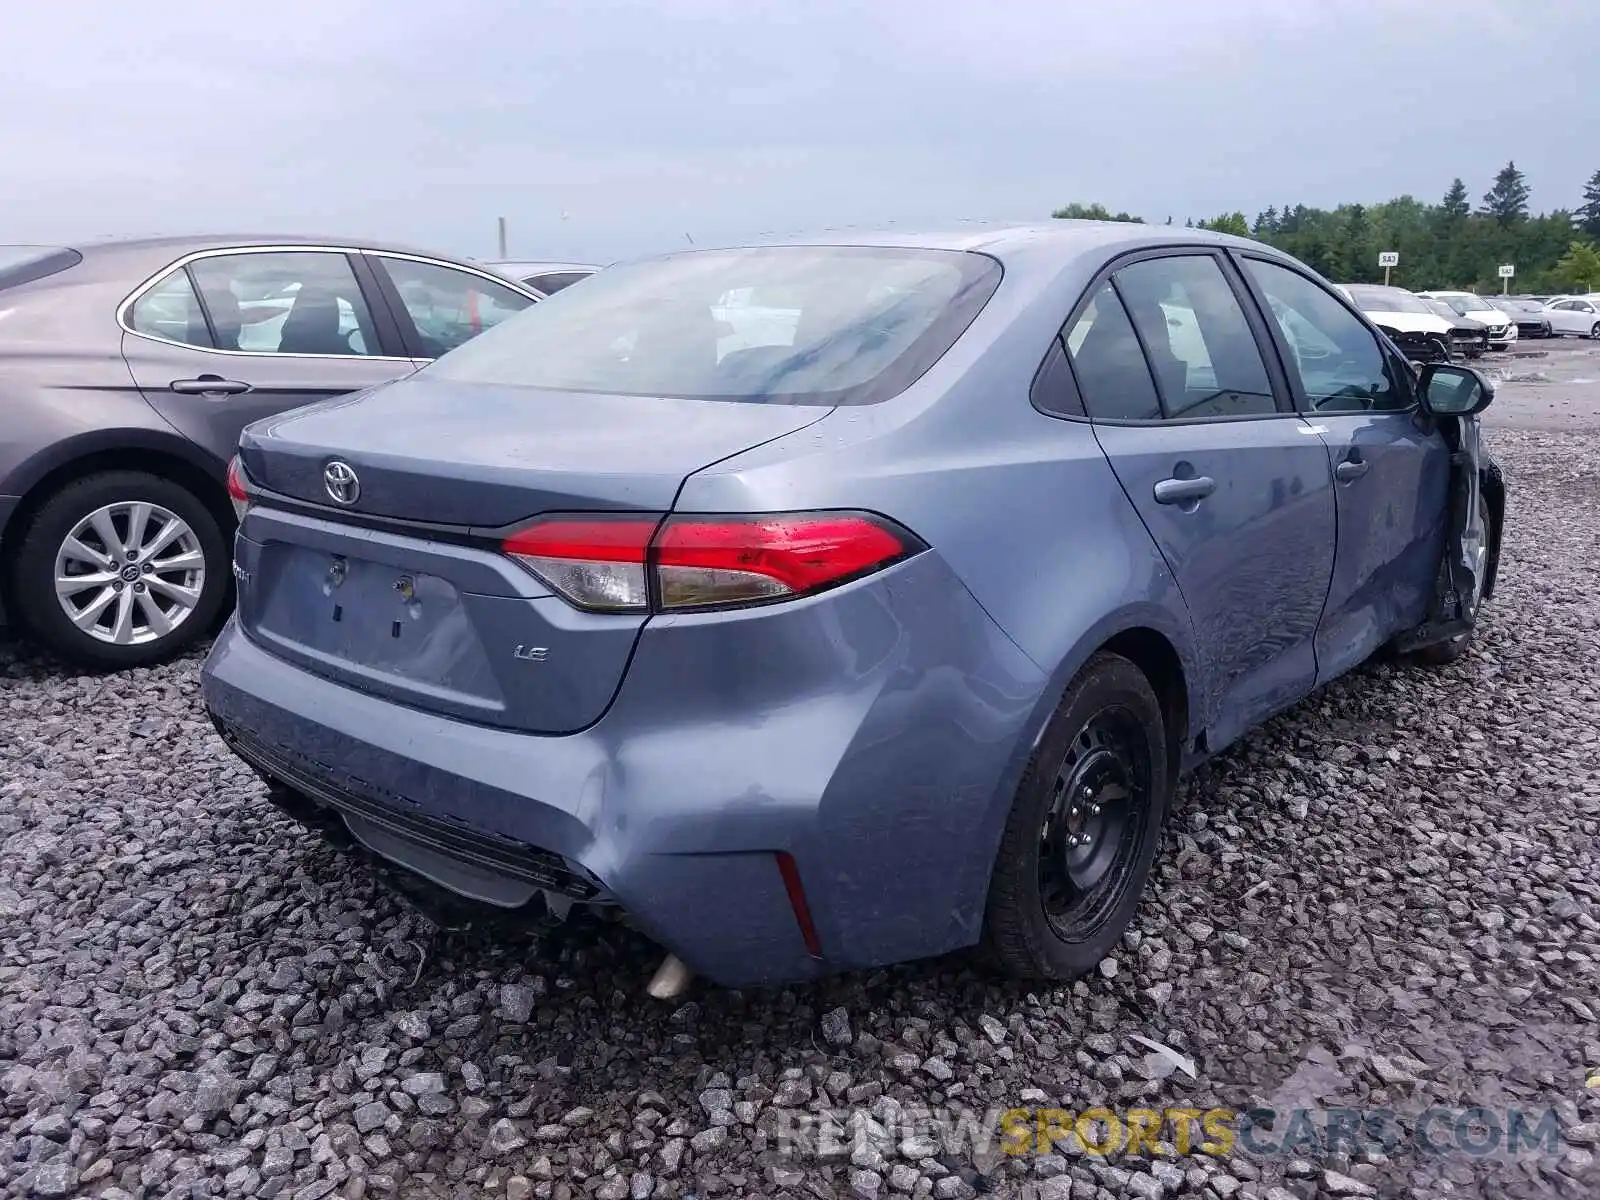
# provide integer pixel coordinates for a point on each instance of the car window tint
(1204, 355)
(287, 302)
(169, 310)
(768, 325)
(450, 307)
(1113, 375)
(1053, 390)
(1347, 370)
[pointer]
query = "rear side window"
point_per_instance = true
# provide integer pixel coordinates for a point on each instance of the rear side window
(171, 311)
(286, 302)
(1206, 359)
(781, 325)
(24, 264)
(1109, 363)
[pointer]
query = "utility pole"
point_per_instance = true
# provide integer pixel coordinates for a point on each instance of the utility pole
(502, 239)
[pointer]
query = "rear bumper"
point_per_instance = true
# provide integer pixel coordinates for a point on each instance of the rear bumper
(874, 734)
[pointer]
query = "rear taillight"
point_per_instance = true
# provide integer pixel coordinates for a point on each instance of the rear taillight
(685, 562)
(238, 490)
(598, 563)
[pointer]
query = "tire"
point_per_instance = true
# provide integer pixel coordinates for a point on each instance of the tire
(1595, 332)
(180, 533)
(1108, 731)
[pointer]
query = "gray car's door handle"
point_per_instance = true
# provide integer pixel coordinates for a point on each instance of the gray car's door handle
(1350, 470)
(210, 385)
(1182, 491)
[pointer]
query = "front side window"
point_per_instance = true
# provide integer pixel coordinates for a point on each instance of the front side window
(1348, 369)
(450, 307)
(285, 302)
(786, 325)
(1205, 356)
(171, 311)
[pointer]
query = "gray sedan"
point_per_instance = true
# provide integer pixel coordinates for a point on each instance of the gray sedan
(127, 370)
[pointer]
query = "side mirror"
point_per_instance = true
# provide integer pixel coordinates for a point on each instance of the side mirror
(1447, 390)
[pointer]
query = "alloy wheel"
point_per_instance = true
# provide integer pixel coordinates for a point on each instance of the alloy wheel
(129, 573)
(1090, 839)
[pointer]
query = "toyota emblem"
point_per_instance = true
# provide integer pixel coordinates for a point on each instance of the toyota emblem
(341, 481)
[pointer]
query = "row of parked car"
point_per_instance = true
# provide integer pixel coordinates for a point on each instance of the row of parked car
(1446, 325)
(696, 594)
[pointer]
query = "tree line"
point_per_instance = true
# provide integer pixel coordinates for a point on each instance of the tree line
(1445, 245)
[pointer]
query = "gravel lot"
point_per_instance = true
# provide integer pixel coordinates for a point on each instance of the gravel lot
(1386, 898)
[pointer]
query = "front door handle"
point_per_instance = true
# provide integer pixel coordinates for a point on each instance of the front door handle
(1184, 491)
(1350, 470)
(210, 385)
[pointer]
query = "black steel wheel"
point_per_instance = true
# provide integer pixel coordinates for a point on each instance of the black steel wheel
(1084, 827)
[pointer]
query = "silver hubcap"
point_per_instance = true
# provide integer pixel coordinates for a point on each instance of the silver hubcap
(130, 573)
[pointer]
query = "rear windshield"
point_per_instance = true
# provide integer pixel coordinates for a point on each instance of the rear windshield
(1386, 300)
(784, 325)
(24, 264)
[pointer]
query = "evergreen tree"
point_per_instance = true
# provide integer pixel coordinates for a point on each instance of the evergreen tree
(1266, 222)
(1588, 214)
(1507, 200)
(1454, 207)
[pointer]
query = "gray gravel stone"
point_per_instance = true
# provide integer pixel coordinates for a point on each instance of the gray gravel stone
(188, 977)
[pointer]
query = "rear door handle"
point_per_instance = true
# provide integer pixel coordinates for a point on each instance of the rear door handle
(1182, 491)
(1350, 470)
(210, 385)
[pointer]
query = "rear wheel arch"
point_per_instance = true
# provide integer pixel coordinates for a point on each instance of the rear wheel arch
(170, 458)
(1158, 659)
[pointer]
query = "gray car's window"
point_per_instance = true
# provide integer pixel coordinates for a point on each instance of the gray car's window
(286, 302)
(552, 283)
(449, 307)
(169, 310)
(1348, 370)
(777, 325)
(1205, 356)
(1109, 364)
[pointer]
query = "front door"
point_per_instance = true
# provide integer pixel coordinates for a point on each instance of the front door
(1234, 488)
(227, 338)
(1391, 471)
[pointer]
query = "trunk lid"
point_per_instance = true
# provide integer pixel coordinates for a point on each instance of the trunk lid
(475, 455)
(431, 614)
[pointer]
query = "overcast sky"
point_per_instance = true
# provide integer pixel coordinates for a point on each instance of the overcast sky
(609, 128)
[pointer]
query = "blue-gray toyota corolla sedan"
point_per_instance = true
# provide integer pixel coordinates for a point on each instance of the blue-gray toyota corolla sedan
(830, 604)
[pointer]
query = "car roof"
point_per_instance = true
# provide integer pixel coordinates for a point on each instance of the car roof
(534, 266)
(176, 245)
(1012, 241)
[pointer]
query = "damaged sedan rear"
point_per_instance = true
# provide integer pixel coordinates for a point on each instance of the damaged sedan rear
(816, 606)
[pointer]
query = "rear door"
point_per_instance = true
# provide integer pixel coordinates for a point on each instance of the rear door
(1391, 472)
(1235, 490)
(229, 337)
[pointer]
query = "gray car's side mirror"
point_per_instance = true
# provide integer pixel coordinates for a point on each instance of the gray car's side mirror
(1447, 390)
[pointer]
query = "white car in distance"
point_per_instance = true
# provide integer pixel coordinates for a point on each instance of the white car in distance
(1575, 316)
(1502, 329)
